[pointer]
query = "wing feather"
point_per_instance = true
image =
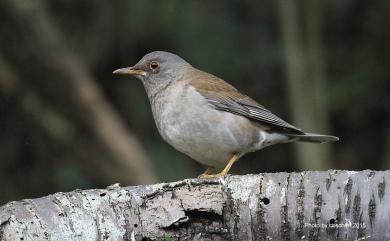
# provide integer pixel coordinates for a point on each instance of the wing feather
(224, 97)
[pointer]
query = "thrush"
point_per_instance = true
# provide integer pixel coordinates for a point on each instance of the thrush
(206, 118)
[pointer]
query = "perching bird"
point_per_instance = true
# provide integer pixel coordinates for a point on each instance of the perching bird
(206, 118)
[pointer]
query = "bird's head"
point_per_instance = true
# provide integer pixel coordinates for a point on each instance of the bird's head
(156, 70)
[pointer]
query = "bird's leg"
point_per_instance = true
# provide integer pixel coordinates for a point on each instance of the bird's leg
(208, 172)
(230, 164)
(225, 170)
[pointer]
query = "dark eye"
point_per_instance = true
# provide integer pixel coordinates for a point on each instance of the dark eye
(154, 65)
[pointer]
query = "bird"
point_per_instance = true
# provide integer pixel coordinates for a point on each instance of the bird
(207, 118)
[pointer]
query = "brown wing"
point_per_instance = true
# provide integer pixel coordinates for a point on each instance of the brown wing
(225, 97)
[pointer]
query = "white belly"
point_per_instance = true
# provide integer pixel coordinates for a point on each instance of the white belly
(209, 136)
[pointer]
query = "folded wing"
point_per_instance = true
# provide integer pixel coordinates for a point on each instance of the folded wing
(222, 96)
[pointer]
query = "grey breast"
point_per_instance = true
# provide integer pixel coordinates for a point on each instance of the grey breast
(186, 121)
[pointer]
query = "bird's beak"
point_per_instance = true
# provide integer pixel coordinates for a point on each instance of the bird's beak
(130, 71)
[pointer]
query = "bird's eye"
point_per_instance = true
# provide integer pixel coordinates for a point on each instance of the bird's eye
(154, 65)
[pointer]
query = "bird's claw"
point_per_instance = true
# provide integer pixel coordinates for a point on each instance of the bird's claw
(209, 176)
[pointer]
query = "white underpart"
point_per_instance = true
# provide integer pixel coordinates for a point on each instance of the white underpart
(187, 122)
(270, 138)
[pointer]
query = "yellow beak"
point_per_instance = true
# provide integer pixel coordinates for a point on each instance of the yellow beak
(129, 71)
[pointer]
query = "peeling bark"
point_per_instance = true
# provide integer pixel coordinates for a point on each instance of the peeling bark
(329, 205)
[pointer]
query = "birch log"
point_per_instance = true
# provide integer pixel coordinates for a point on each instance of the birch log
(328, 205)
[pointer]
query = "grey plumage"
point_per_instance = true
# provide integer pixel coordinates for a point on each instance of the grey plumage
(208, 119)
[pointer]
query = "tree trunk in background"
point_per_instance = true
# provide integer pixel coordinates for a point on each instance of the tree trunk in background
(55, 124)
(97, 114)
(386, 163)
(329, 205)
(306, 77)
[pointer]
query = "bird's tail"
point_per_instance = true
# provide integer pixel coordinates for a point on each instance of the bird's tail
(315, 138)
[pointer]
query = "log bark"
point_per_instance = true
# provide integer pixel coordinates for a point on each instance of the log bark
(328, 205)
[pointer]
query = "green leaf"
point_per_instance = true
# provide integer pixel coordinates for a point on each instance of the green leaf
(167, 238)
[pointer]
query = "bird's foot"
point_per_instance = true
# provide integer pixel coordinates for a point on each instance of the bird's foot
(208, 172)
(210, 176)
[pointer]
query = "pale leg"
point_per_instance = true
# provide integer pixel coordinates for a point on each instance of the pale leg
(208, 172)
(224, 171)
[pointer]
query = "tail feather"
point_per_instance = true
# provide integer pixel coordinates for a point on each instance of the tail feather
(315, 138)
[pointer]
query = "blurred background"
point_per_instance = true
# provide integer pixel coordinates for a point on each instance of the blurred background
(66, 122)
